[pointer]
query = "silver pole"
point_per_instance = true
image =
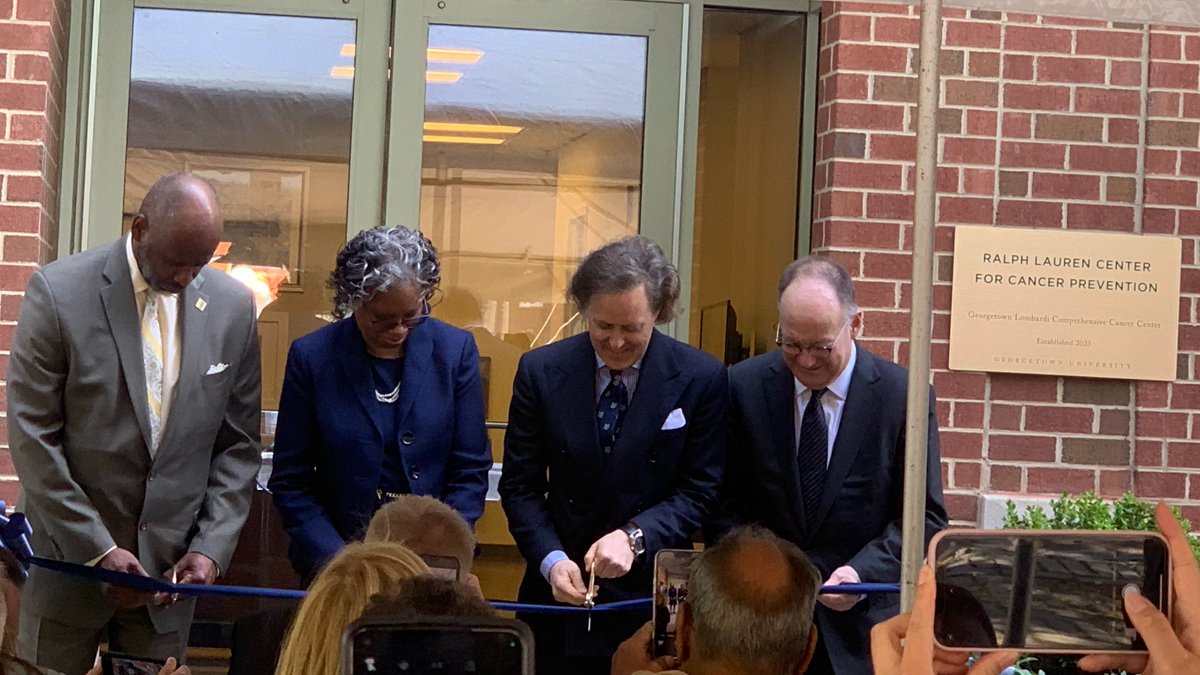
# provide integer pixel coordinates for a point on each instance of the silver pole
(917, 426)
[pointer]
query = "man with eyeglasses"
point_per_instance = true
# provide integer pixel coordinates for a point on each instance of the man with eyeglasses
(816, 454)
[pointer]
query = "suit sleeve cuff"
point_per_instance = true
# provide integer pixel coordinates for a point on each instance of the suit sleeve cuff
(552, 558)
(96, 561)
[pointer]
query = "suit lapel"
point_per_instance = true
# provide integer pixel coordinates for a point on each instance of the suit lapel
(357, 368)
(852, 430)
(193, 336)
(779, 391)
(418, 354)
(120, 308)
(658, 387)
(573, 383)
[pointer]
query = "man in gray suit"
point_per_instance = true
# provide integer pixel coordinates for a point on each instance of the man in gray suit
(133, 415)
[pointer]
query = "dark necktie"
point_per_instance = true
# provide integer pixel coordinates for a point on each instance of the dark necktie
(609, 411)
(811, 454)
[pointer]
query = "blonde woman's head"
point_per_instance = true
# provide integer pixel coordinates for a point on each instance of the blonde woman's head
(337, 598)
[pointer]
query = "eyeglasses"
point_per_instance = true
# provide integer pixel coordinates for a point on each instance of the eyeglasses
(816, 351)
(409, 323)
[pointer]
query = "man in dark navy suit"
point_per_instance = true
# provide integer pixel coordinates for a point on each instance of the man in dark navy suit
(816, 454)
(614, 450)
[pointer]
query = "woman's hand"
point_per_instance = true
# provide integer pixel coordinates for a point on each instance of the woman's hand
(904, 645)
(1174, 650)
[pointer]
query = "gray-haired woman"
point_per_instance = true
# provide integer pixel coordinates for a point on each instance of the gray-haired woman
(386, 401)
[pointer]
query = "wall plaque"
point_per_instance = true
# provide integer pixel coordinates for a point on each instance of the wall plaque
(1056, 302)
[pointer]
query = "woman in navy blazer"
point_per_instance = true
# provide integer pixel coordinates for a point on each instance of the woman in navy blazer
(385, 401)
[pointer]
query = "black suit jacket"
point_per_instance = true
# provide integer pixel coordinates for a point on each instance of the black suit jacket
(859, 520)
(561, 493)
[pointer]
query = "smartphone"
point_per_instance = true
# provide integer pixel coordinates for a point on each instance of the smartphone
(437, 646)
(113, 663)
(443, 566)
(1045, 591)
(672, 570)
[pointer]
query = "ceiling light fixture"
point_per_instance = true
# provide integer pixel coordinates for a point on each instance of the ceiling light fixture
(348, 49)
(442, 76)
(343, 72)
(444, 55)
(478, 140)
(463, 127)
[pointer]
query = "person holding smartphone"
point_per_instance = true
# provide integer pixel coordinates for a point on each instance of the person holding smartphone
(614, 450)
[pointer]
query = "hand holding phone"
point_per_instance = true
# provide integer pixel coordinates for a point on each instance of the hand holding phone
(672, 573)
(904, 645)
(113, 663)
(1044, 591)
(1165, 643)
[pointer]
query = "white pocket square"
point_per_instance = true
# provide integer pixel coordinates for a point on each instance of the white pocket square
(217, 368)
(675, 420)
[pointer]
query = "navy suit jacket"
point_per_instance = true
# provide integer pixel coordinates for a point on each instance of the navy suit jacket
(329, 450)
(561, 492)
(859, 519)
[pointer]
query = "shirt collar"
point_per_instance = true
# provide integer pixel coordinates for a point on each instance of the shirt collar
(140, 285)
(840, 386)
(601, 365)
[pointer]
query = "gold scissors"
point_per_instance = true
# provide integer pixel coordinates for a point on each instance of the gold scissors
(589, 600)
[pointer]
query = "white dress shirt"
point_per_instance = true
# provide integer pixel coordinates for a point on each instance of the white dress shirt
(832, 403)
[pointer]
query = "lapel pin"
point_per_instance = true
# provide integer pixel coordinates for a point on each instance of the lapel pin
(201, 303)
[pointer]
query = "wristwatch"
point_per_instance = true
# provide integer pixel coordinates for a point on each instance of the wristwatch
(637, 542)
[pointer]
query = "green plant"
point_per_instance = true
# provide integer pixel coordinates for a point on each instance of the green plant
(1085, 512)
(1089, 512)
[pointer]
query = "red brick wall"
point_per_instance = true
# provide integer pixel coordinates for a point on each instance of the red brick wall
(1040, 126)
(32, 45)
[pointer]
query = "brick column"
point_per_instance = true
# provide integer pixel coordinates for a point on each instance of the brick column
(1040, 123)
(33, 37)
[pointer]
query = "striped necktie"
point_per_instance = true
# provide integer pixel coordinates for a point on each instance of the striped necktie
(152, 360)
(812, 455)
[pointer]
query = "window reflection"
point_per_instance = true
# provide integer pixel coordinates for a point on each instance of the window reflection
(261, 107)
(532, 158)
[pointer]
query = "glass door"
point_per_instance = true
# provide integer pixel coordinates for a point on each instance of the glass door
(280, 105)
(524, 135)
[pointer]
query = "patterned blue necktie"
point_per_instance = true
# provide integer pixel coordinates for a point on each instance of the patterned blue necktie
(811, 455)
(609, 411)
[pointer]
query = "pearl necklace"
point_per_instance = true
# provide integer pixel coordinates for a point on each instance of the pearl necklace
(390, 397)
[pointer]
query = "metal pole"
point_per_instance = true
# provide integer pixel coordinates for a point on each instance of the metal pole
(917, 426)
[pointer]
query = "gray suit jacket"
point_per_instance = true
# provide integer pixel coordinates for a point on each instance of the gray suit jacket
(78, 429)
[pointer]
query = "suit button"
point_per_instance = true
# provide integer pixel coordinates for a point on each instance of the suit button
(414, 474)
(407, 438)
(142, 527)
(150, 477)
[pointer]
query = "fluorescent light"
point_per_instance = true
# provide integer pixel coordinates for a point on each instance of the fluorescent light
(442, 55)
(463, 127)
(442, 76)
(348, 49)
(344, 72)
(479, 140)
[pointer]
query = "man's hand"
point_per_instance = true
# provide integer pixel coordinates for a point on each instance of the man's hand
(196, 568)
(192, 568)
(611, 555)
(567, 583)
(636, 654)
(1173, 650)
(120, 560)
(840, 602)
(903, 645)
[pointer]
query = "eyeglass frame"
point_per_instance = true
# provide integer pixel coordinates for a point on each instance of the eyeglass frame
(413, 321)
(819, 352)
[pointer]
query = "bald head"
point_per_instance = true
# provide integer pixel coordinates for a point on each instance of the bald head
(751, 600)
(176, 231)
